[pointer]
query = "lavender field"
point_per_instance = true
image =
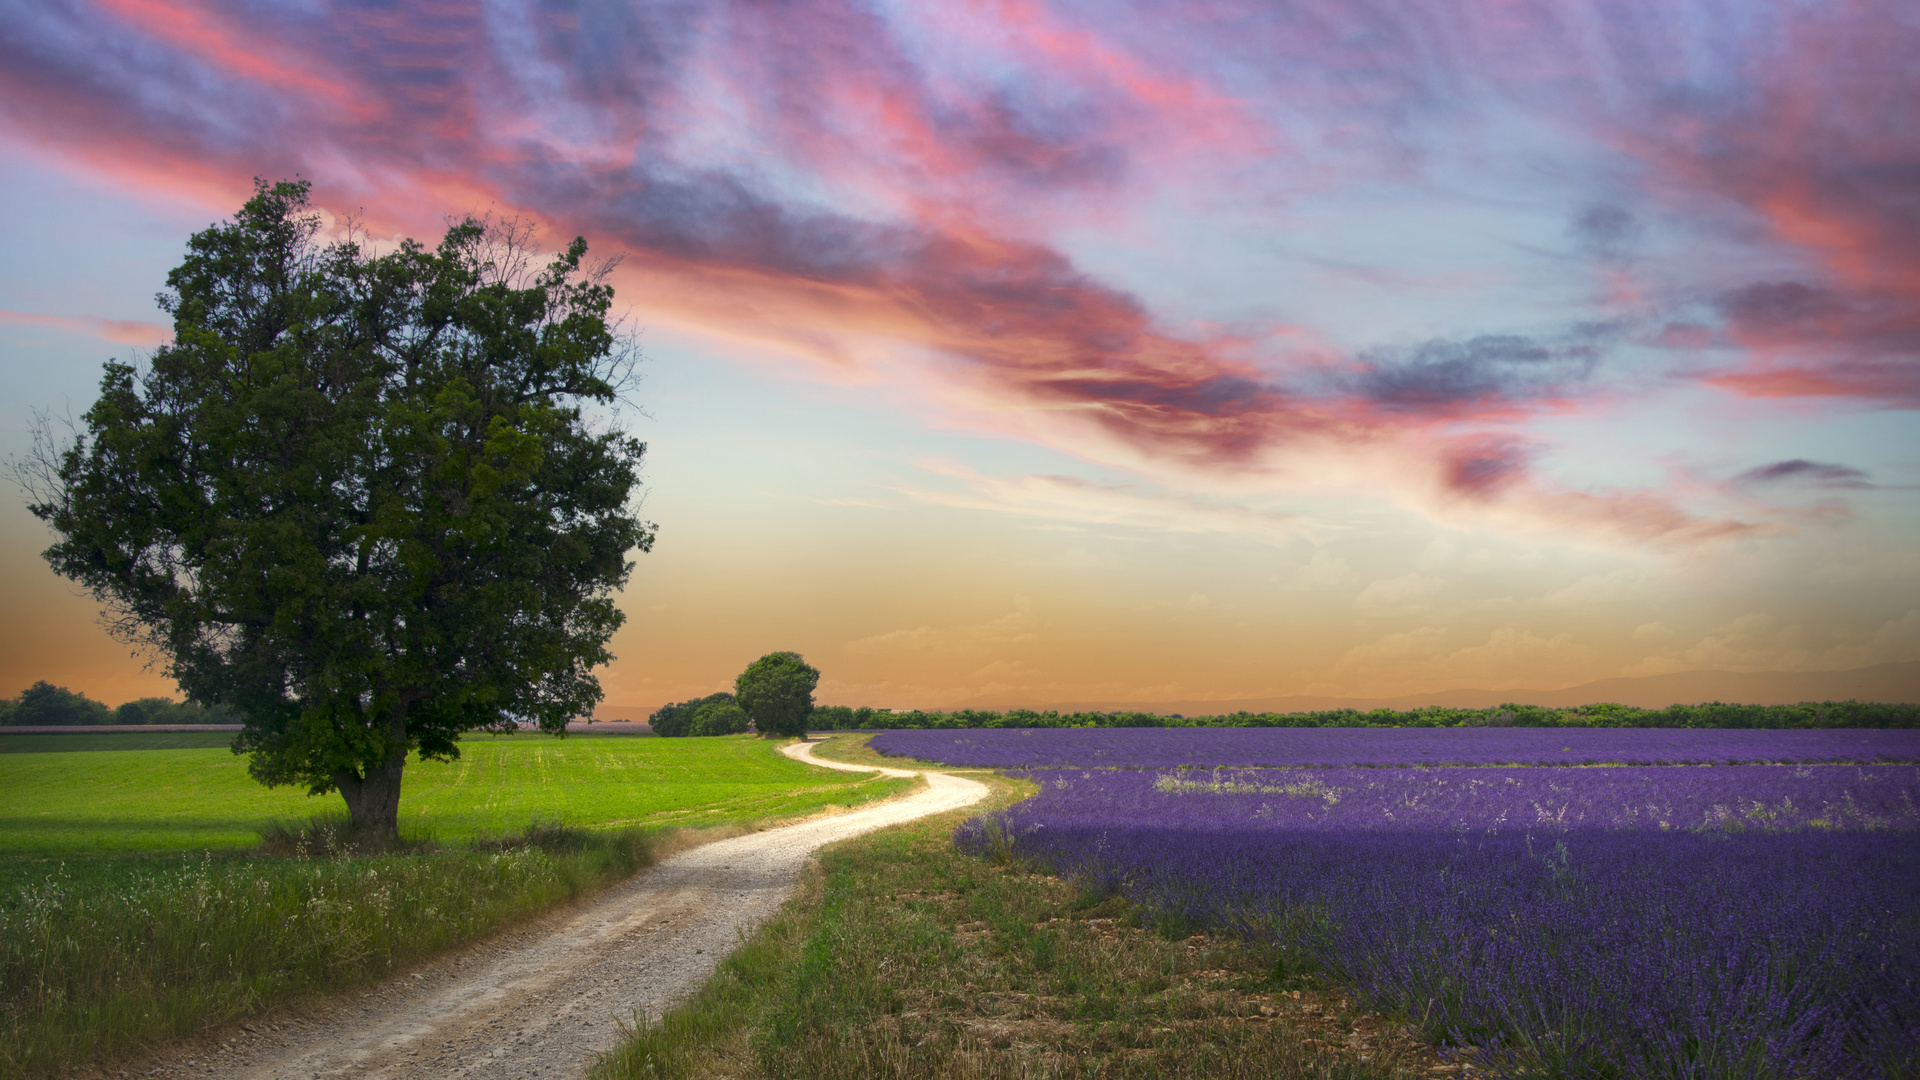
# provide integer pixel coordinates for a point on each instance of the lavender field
(1003, 748)
(1673, 921)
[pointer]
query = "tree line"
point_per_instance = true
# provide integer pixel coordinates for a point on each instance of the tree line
(44, 704)
(773, 697)
(1714, 714)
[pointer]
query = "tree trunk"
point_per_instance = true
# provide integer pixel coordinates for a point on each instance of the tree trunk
(373, 801)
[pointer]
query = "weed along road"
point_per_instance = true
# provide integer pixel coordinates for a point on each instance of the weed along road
(547, 999)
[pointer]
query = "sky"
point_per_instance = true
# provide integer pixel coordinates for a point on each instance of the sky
(1012, 353)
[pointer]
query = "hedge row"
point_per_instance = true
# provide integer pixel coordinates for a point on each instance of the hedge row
(46, 704)
(1715, 714)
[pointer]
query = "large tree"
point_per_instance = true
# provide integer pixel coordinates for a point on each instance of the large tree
(358, 500)
(777, 693)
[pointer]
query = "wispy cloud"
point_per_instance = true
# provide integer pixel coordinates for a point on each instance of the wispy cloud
(1396, 591)
(841, 181)
(1426, 655)
(1762, 641)
(119, 331)
(1017, 627)
(1069, 499)
(1801, 471)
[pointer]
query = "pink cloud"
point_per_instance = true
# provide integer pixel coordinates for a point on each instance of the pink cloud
(808, 176)
(220, 45)
(1821, 151)
(119, 331)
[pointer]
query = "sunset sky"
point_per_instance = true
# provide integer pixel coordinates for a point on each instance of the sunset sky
(1016, 353)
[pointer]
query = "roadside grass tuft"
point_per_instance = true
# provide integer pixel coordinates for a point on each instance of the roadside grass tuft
(332, 836)
(151, 949)
(902, 958)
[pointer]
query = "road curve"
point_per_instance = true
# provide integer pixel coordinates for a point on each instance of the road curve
(544, 1001)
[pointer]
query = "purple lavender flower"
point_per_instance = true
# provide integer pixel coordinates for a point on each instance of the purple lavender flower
(1742, 921)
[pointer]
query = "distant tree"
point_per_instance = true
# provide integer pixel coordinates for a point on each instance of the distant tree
(46, 704)
(719, 718)
(357, 500)
(672, 720)
(159, 710)
(676, 720)
(777, 693)
(146, 710)
(831, 718)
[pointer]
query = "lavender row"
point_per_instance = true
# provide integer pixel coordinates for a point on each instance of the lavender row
(1530, 801)
(1748, 921)
(1331, 747)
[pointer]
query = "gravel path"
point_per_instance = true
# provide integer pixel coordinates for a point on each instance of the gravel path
(547, 999)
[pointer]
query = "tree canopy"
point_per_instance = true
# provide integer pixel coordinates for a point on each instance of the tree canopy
(357, 499)
(719, 718)
(677, 719)
(46, 704)
(777, 693)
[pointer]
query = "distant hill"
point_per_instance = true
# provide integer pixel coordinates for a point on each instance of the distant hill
(1892, 683)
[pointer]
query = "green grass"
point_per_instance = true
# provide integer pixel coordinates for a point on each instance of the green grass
(904, 959)
(138, 903)
(66, 742)
(138, 950)
(853, 748)
(66, 805)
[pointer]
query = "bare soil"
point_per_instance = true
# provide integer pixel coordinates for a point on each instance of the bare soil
(547, 999)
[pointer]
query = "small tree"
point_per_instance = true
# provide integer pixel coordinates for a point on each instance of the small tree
(676, 720)
(777, 693)
(719, 718)
(356, 500)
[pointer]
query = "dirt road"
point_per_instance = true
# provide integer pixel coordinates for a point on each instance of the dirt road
(546, 1000)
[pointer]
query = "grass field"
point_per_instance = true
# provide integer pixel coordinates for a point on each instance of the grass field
(56, 805)
(136, 903)
(66, 742)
